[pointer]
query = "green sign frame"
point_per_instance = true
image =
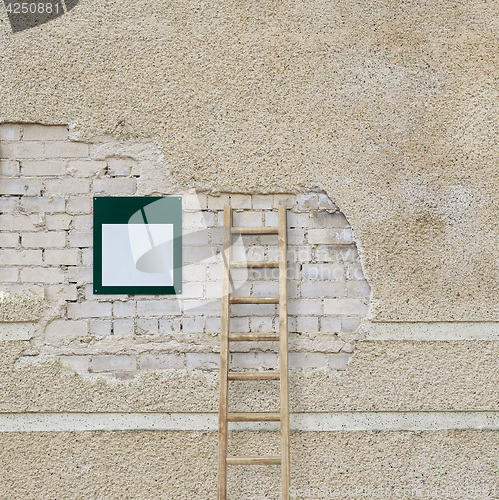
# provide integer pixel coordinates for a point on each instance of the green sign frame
(127, 227)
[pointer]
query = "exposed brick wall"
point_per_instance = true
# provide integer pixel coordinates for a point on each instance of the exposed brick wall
(47, 184)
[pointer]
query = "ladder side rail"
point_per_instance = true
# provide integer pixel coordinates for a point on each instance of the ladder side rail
(283, 353)
(224, 357)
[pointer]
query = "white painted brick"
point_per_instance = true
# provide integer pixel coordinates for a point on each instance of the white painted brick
(68, 186)
(192, 255)
(157, 307)
(194, 272)
(9, 240)
(240, 201)
(10, 132)
(304, 306)
(11, 186)
(355, 272)
(266, 289)
(194, 201)
(216, 236)
(349, 325)
(79, 364)
(51, 239)
(252, 309)
(33, 187)
(323, 289)
(36, 132)
(193, 325)
(338, 361)
(66, 150)
(307, 360)
(81, 240)
(100, 327)
(213, 290)
(54, 293)
(87, 256)
(83, 222)
(288, 200)
(79, 205)
(292, 289)
(9, 274)
(300, 253)
(240, 253)
(339, 220)
(8, 204)
(202, 307)
(86, 168)
(42, 275)
(162, 361)
(202, 361)
(245, 219)
(212, 325)
(330, 236)
(20, 257)
(336, 253)
(20, 150)
(61, 328)
(296, 236)
(272, 220)
(16, 223)
(115, 186)
(357, 289)
(298, 220)
(345, 307)
(218, 202)
(263, 202)
(330, 325)
(325, 203)
(89, 310)
(215, 271)
(330, 272)
(9, 168)
(307, 324)
(100, 297)
(194, 238)
(169, 325)
(307, 202)
(239, 325)
(124, 309)
(109, 363)
(42, 167)
(254, 360)
(66, 257)
(198, 220)
(79, 274)
(192, 290)
(43, 204)
(120, 167)
(261, 324)
(322, 220)
(124, 327)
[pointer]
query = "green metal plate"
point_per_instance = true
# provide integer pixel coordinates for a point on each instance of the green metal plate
(137, 245)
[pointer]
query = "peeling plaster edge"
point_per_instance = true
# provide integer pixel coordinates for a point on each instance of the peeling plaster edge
(17, 331)
(315, 422)
(431, 331)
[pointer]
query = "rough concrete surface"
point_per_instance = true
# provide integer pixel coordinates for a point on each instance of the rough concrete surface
(381, 376)
(21, 307)
(390, 106)
(182, 465)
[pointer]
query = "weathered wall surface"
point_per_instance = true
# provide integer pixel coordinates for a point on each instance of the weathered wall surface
(182, 465)
(389, 107)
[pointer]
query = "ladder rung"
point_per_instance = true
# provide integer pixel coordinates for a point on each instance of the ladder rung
(255, 263)
(255, 230)
(234, 337)
(254, 300)
(254, 376)
(254, 460)
(253, 417)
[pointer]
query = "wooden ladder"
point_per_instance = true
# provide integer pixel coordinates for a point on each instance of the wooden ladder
(227, 337)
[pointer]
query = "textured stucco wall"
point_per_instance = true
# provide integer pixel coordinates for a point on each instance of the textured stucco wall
(390, 107)
(381, 376)
(182, 465)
